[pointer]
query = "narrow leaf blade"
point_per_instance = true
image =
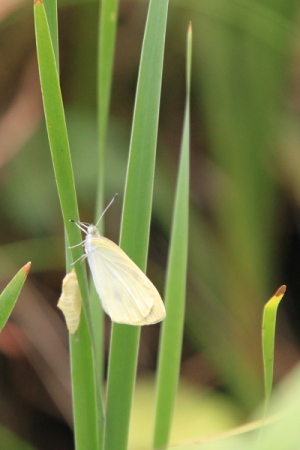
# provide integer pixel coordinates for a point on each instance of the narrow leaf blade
(268, 339)
(11, 293)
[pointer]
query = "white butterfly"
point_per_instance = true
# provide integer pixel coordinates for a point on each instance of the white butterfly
(126, 293)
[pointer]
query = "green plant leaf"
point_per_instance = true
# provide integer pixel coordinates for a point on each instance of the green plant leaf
(268, 339)
(87, 404)
(11, 293)
(136, 220)
(172, 328)
(106, 47)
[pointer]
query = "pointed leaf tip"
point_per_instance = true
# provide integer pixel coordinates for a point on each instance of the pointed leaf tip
(27, 267)
(37, 1)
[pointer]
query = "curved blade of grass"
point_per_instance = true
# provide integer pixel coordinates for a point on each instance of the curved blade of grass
(222, 438)
(86, 394)
(268, 339)
(11, 293)
(136, 220)
(172, 328)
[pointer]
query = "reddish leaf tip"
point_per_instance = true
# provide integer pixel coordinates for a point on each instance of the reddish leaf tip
(27, 267)
(37, 1)
(280, 291)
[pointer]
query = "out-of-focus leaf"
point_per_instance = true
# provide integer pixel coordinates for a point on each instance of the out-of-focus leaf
(10, 294)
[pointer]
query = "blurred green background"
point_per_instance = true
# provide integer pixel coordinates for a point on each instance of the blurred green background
(244, 218)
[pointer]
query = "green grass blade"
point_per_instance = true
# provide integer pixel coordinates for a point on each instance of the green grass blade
(136, 220)
(87, 426)
(106, 46)
(11, 293)
(51, 12)
(172, 328)
(56, 126)
(140, 172)
(268, 339)
(87, 416)
(107, 37)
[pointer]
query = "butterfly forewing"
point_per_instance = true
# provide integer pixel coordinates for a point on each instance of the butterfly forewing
(126, 293)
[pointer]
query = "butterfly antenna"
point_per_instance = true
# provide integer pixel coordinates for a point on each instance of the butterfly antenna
(112, 200)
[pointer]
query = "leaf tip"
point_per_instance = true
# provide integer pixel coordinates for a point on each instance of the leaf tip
(37, 1)
(26, 268)
(280, 291)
